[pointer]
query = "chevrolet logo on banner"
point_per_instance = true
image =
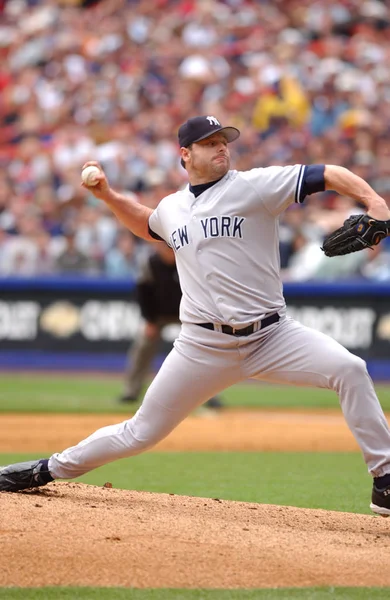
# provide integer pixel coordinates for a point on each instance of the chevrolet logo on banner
(61, 319)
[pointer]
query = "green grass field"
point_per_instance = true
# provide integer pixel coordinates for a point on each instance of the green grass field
(320, 480)
(332, 481)
(97, 394)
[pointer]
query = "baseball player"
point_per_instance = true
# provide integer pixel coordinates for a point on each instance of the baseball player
(223, 228)
(158, 293)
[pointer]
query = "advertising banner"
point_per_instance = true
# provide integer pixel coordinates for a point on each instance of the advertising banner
(100, 316)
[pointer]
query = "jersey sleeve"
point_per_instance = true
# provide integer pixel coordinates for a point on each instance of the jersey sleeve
(156, 228)
(313, 181)
(154, 235)
(278, 187)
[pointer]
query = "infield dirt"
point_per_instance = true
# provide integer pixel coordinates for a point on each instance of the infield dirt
(76, 534)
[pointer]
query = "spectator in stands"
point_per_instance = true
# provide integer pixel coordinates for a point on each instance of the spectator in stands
(377, 265)
(72, 260)
(122, 259)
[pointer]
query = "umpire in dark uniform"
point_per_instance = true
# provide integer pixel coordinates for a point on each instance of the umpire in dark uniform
(158, 294)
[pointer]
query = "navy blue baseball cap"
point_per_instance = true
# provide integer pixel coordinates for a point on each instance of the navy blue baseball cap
(200, 128)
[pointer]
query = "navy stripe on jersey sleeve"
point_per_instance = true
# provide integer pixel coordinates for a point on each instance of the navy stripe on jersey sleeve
(311, 179)
(154, 235)
(301, 175)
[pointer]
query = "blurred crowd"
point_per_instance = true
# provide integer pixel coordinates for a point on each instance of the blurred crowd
(306, 81)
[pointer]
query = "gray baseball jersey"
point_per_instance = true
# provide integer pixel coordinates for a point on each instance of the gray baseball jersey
(227, 244)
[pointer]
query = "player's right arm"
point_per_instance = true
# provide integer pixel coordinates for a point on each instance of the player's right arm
(128, 210)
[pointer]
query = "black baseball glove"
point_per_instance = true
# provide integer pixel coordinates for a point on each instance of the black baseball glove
(357, 232)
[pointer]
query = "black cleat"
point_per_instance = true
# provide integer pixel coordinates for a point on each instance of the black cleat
(24, 475)
(380, 501)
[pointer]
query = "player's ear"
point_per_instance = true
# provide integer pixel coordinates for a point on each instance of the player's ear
(185, 155)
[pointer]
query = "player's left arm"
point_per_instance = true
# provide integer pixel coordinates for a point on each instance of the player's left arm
(346, 183)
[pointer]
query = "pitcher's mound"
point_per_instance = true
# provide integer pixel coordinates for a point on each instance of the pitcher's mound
(72, 534)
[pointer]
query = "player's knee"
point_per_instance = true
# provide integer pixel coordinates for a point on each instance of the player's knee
(357, 366)
(140, 436)
(350, 369)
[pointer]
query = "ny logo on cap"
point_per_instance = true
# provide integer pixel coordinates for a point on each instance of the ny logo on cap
(213, 121)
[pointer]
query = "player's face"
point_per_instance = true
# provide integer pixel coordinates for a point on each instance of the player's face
(209, 159)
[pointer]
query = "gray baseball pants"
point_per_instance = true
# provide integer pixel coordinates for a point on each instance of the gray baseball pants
(203, 363)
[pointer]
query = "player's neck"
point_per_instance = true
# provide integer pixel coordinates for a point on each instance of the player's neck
(204, 180)
(202, 187)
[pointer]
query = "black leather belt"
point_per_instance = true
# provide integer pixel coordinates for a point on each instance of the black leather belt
(245, 330)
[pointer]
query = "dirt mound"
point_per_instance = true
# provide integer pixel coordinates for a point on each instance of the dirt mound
(82, 535)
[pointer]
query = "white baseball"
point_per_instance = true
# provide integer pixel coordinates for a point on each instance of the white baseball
(88, 175)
